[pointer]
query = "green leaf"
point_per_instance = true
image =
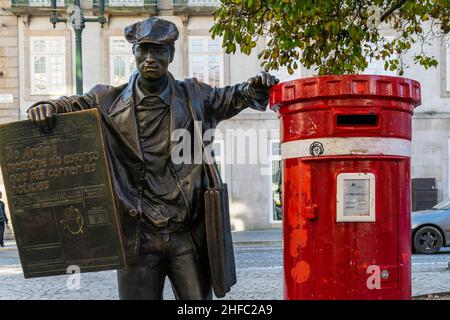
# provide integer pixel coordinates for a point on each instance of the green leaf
(331, 36)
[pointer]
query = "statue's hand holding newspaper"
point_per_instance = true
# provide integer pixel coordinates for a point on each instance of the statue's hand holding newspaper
(42, 115)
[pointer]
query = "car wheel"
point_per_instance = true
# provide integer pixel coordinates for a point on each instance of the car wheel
(428, 240)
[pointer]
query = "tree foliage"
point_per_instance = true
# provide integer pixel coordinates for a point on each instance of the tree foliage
(333, 36)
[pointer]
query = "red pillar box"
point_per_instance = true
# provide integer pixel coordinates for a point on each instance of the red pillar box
(346, 146)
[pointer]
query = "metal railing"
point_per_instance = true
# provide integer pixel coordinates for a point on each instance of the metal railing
(125, 3)
(207, 3)
(44, 3)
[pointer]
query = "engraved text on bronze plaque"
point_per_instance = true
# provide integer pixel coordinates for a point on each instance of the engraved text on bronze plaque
(60, 196)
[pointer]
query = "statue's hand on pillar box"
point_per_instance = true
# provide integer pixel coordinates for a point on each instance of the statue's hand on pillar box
(261, 83)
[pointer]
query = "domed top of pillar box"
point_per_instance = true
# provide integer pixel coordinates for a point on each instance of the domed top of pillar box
(345, 105)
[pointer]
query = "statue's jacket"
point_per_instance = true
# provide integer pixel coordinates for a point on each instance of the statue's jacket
(125, 157)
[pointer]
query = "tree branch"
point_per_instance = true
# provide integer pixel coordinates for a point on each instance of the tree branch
(396, 6)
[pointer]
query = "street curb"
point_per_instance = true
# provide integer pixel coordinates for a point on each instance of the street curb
(427, 295)
(259, 243)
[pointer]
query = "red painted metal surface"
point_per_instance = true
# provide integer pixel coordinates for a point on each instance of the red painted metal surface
(323, 258)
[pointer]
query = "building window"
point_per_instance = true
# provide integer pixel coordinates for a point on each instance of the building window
(48, 64)
(219, 156)
(275, 181)
(206, 60)
(122, 63)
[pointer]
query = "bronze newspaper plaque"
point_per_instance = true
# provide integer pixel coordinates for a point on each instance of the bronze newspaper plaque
(60, 196)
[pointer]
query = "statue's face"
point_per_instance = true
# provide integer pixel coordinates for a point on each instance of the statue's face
(152, 60)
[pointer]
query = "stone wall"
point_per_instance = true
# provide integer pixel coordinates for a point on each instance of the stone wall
(430, 150)
(9, 65)
(9, 75)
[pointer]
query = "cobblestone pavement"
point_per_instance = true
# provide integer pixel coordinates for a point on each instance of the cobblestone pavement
(430, 273)
(259, 272)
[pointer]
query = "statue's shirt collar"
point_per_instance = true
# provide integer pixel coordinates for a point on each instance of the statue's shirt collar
(140, 93)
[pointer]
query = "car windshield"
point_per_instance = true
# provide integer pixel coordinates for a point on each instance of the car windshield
(443, 205)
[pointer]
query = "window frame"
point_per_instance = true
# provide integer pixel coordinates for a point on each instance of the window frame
(206, 52)
(62, 54)
(111, 57)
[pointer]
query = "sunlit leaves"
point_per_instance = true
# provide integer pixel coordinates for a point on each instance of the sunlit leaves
(331, 36)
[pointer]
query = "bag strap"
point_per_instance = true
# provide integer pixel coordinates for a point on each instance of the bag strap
(193, 96)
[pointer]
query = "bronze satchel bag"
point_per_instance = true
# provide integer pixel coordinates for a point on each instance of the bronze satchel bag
(217, 213)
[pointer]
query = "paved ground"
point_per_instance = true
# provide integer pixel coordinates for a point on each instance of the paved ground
(259, 271)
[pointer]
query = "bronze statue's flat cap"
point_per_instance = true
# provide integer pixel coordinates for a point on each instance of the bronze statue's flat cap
(152, 30)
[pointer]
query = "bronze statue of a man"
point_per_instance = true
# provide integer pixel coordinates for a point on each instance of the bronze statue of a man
(160, 203)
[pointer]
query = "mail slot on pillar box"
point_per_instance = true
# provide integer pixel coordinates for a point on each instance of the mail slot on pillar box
(346, 146)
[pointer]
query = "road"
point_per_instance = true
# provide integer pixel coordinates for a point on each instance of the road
(259, 271)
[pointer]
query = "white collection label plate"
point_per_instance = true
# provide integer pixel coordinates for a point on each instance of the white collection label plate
(355, 198)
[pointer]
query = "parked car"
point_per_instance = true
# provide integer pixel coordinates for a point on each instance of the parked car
(430, 229)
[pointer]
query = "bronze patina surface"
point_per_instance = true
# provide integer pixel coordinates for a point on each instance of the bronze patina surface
(164, 208)
(60, 196)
